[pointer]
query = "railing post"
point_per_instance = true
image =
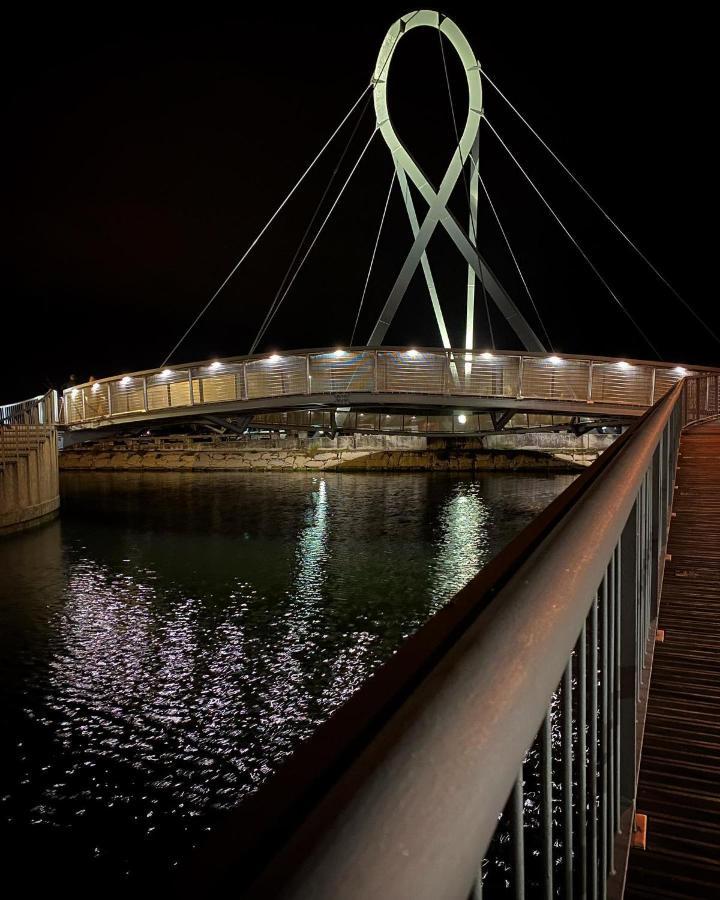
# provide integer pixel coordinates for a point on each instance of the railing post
(520, 378)
(308, 377)
(628, 687)
(190, 386)
(145, 393)
(109, 400)
(652, 387)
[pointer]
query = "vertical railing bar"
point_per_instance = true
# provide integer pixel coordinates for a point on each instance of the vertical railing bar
(567, 794)
(546, 804)
(582, 759)
(610, 662)
(604, 737)
(593, 747)
(518, 837)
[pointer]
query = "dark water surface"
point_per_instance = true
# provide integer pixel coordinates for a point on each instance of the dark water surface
(169, 641)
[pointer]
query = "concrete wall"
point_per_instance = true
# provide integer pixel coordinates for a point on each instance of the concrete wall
(29, 484)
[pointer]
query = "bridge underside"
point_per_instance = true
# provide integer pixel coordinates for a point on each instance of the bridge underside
(371, 412)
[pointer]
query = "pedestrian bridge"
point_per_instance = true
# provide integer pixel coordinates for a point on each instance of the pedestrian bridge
(401, 389)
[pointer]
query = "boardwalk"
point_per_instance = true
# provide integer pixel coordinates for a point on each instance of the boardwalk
(679, 787)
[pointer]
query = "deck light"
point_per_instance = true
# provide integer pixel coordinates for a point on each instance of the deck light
(486, 355)
(462, 419)
(166, 372)
(555, 360)
(74, 392)
(339, 352)
(215, 365)
(623, 365)
(125, 379)
(95, 387)
(681, 370)
(412, 352)
(275, 357)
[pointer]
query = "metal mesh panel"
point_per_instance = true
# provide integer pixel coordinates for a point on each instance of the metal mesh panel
(666, 379)
(73, 406)
(218, 383)
(622, 383)
(342, 371)
(554, 378)
(412, 370)
(276, 376)
(96, 400)
(127, 395)
(484, 375)
(168, 388)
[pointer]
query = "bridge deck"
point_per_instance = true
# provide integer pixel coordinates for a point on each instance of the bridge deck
(679, 787)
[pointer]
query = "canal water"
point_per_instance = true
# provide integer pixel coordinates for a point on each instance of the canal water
(173, 637)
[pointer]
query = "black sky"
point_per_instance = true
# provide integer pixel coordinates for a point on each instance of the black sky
(144, 152)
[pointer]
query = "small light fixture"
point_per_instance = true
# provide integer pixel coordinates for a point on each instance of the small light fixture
(167, 372)
(339, 352)
(275, 357)
(125, 379)
(555, 360)
(387, 416)
(216, 364)
(412, 352)
(462, 419)
(487, 355)
(623, 365)
(681, 370)
(95, 387)
(74, 392)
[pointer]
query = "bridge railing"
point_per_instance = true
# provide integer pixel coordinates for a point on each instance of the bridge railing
(498, 750)
(340, 373)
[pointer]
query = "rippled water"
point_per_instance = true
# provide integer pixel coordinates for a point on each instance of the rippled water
(173, 637)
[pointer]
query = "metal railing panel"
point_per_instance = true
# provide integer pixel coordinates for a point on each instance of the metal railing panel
(277, 376)
(127, 395)
(555, 378)
(485, 375)
(538, 697)
(412, 371)
(342, 371)
(622, 383)
(666, 379)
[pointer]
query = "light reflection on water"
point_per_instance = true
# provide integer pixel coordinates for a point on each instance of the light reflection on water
(171, 640)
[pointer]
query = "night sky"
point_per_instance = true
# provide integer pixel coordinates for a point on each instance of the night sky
(144, 154)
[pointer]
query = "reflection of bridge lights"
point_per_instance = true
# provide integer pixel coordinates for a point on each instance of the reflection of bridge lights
(623, 365)
(681, 370)
(412, 353)
(462, 419)
(215, 365)
(339, 352)
(487, 355)
(275, 357)
(125, 380)
(555, 360)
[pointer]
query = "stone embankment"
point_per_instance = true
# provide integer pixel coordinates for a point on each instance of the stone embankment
(345, 452)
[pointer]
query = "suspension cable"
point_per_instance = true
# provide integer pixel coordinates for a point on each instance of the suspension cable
(473, 227)
(515, 260)
(288, 272)
(573, 240)
(601, 210)
(268, 223)
(372, 258)
(261, 334)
